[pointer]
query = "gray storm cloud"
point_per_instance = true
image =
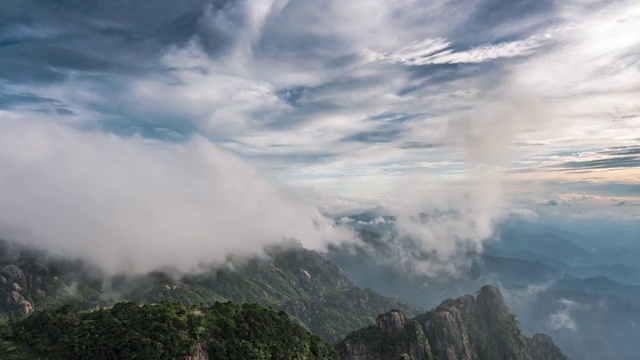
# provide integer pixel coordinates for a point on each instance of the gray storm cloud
(135, 205)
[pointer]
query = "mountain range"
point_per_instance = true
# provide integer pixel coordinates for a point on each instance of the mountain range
(297, 304)
(552, 284)
(340, 296)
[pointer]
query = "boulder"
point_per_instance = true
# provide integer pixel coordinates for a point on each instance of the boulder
(14, 274)
(304, 275)
(391, 322)
(26, 307)
(38, 293)
(37, 281)
(201, 354)
(14, 298)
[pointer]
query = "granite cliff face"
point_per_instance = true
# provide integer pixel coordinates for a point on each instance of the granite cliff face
(541, 347)
(466, 328)
(393, 337)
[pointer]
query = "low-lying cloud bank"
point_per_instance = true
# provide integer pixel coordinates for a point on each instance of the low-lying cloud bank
(129, 204)
(133, 205)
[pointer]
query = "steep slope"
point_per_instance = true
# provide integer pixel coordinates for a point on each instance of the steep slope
(542, 347)
(335, 315)
(466, 328)
(393, 337)
(285, 274)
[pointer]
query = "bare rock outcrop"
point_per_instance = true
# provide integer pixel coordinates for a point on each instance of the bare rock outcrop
(393, 337)
(14, 298)
(26, 307)
(38, 293)
(14, 274)
(304, 275)
(446, 334)
(201, 354)
(542, 347)
(19, 302)
(391, 322)
(466, 328)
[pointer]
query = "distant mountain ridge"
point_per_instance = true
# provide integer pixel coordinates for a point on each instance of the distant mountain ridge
(519, 238)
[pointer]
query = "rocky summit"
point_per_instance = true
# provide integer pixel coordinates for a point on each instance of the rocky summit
(465, 328)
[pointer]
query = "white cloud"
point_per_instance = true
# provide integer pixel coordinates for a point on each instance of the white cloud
(593, 53)
(133, 205)
(521, 213)
(561, 319)
(223, 103)
(439, 51)
(416, 52)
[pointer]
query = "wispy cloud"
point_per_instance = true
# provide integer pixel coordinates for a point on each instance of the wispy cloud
(439, 51)
(562, 319)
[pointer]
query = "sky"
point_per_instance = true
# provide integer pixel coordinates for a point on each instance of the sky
(282, 108)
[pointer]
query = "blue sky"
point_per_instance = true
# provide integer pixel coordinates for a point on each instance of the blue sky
(347, 98)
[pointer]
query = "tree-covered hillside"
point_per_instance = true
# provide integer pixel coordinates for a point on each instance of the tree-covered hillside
(167, 330)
